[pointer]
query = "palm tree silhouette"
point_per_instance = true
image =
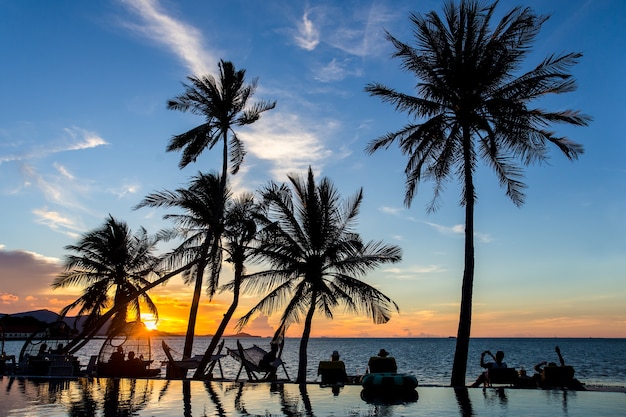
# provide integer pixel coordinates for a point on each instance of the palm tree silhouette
(110, 259)
(473, 107)
(200, 225)
(239, 231)
(223, 103)
(307, 236)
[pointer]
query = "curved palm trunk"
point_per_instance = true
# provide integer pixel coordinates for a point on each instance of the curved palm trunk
(459, 366)
(195, 305)
(88, 333)
(304, 342)
(222, 327)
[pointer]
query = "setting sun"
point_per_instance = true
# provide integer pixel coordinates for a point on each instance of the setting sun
(150, 321)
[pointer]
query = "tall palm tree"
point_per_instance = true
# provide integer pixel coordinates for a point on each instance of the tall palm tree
(470, 106)
(223, 103)
(110, 263)
(239, 231)
(201, 226)
(307, 236)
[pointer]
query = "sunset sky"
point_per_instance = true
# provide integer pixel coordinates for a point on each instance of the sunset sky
(84, 127)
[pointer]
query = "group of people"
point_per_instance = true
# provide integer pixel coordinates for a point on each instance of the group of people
(541, 378)
(132, 362)
(334, 371)
(43, 350)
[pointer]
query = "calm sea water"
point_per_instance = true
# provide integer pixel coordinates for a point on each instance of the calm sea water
(596, 361)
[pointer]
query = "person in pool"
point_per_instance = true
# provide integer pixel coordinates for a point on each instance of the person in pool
(498, 363)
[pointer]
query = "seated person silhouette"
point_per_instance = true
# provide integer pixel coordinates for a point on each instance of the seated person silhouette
(268, 362)
(382, 363)
(133, 363)
(496, 364)
(333, 371)
(549, 375)
(43, 350)
(117, 357)
(59, 350)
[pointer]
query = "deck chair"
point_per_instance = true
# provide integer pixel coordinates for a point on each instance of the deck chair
(178, 369)
(90, 370)
(249, 359)
(501, 376)
(332, 372)
(557, 376)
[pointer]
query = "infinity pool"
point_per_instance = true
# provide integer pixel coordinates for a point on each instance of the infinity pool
(125, 397)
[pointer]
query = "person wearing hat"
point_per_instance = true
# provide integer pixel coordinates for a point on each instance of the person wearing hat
(334, 371)
(382, 363)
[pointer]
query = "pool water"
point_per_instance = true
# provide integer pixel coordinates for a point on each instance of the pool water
(158, 397)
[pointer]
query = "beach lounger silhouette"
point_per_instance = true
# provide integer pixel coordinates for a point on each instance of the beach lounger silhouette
(249, 359)
(501, 376)
(178, 369)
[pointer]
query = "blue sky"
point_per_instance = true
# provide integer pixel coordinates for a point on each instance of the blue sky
(84, 126)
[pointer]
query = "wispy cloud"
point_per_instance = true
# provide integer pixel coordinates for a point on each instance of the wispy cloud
(289, 143)
(75, 139)
(395, 211)
(336, 71)
(184, 40)
(307, 35)
(459, 229)
(415, 272)
(58, 221)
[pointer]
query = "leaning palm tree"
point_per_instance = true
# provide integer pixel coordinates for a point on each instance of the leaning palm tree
(239, 232)
(200, 225)
(470, 106)
(111, 264)
(307, 236)
(223, 103)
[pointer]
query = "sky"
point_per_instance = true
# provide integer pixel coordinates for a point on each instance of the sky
(84, 127)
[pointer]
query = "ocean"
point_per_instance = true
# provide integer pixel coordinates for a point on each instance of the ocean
(596, 361)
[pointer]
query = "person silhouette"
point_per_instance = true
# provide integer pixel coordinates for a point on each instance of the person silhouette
(498, 363)
(382, 363)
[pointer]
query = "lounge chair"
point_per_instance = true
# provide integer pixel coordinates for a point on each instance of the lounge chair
(332, 372)
(249, 359)
(178, 369)
(558, 377)
(501, 376)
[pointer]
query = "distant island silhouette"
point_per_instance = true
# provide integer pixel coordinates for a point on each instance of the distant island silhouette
(48, 316)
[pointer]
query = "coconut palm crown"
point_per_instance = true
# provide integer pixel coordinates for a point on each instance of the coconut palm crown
(224, 104)
(307, 235)
(111, 264)
(472, 105)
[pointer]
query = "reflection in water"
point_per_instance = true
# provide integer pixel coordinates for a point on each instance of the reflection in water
(215, 399)
(125, 397)
(496, 397)
(306, 400)
(463, 400)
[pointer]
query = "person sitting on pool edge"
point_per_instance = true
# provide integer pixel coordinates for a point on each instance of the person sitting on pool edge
(382, 363)
(497, 364)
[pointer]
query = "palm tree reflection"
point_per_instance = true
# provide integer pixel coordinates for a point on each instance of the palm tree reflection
(125, 397)
(462, 398)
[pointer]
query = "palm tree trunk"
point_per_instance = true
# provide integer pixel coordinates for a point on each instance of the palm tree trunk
(193, 311)
(222, 327)
(225, 159)
(304, 342)
(459, 366)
